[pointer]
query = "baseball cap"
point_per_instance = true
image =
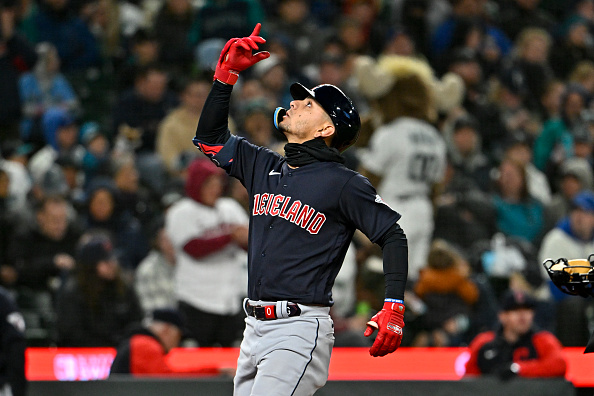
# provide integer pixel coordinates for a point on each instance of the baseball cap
(584, 201)
(171, 316)
(94, 249)
(466, 121)
(514, 299)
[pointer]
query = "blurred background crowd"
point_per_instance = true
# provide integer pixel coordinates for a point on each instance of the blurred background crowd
(101, 98)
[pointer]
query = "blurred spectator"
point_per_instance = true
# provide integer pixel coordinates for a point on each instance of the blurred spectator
(40, 271)
(52, 182)
(257, 124)
(550, 101)
(572, 238)
(61, 136)
(57, 23)
(583, 74)
(44, 88)
(519, 14)
(517, 347)
(464, 213)
(16, 57)
(176, 130)
(104, 211)
(529, 70)
(74, 178)
(555, 142)
(575, 175)
(96, 159)
(352, 35)
(135, 120)
(518, 213)
(14, 160)
(154, 279)
(468, 28)
(133, 197)
(464, 149)
(301, 36)
(466, 64)
(54, 235)
(96, 307)
(374, 20)
(273, 73)
(143, 50)
(335, 69)
(8, 222)
(400, 42)
(104, 19)
(519, 149)
(420, 19)
(145, 349)
(172, 25)
(226, 19)
(12, 347)
(449, 295)
(138, 111)
(583, 138)
(573, 45)
(209, 234)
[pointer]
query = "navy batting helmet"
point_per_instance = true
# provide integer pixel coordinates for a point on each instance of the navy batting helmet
(339, 107)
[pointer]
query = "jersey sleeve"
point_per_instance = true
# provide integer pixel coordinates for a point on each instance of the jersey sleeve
(550, 361)
(379, 155)
(365, 209)
(239, 158)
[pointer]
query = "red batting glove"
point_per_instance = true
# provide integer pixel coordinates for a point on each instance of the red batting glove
(389, 323)
(237, 56)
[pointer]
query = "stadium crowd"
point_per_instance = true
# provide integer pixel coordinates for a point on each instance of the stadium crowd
(101, 99)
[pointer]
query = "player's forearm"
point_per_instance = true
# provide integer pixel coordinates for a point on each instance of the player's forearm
(395, 254)
(213, 125)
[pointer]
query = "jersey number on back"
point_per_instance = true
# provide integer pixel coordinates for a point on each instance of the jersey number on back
(422, 167)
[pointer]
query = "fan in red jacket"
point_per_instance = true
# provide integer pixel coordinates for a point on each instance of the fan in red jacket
(145, 350)
(517, 347)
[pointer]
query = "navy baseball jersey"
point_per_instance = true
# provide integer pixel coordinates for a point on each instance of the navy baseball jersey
(302, 219)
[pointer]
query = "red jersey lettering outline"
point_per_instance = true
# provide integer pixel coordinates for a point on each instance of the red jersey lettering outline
(283, 212)
(262, 206)
(304, 216)
(274, 210)
(256, 204)
(316, 223)
(295, 212)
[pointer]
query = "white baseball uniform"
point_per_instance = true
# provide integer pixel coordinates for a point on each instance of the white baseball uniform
(410, 156)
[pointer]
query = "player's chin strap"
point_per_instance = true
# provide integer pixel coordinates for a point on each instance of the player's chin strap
(279, 113)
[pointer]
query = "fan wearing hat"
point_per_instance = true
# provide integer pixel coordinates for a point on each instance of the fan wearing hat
(95, 307)
(304, 207)
(516, 347)
(146, 348)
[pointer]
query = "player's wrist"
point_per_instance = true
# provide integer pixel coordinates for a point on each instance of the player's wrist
(226, 76)
(395, 305)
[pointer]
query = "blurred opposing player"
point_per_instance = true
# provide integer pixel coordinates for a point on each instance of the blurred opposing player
(406, 156)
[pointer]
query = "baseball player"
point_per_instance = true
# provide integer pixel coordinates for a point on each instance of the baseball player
(304, 209)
